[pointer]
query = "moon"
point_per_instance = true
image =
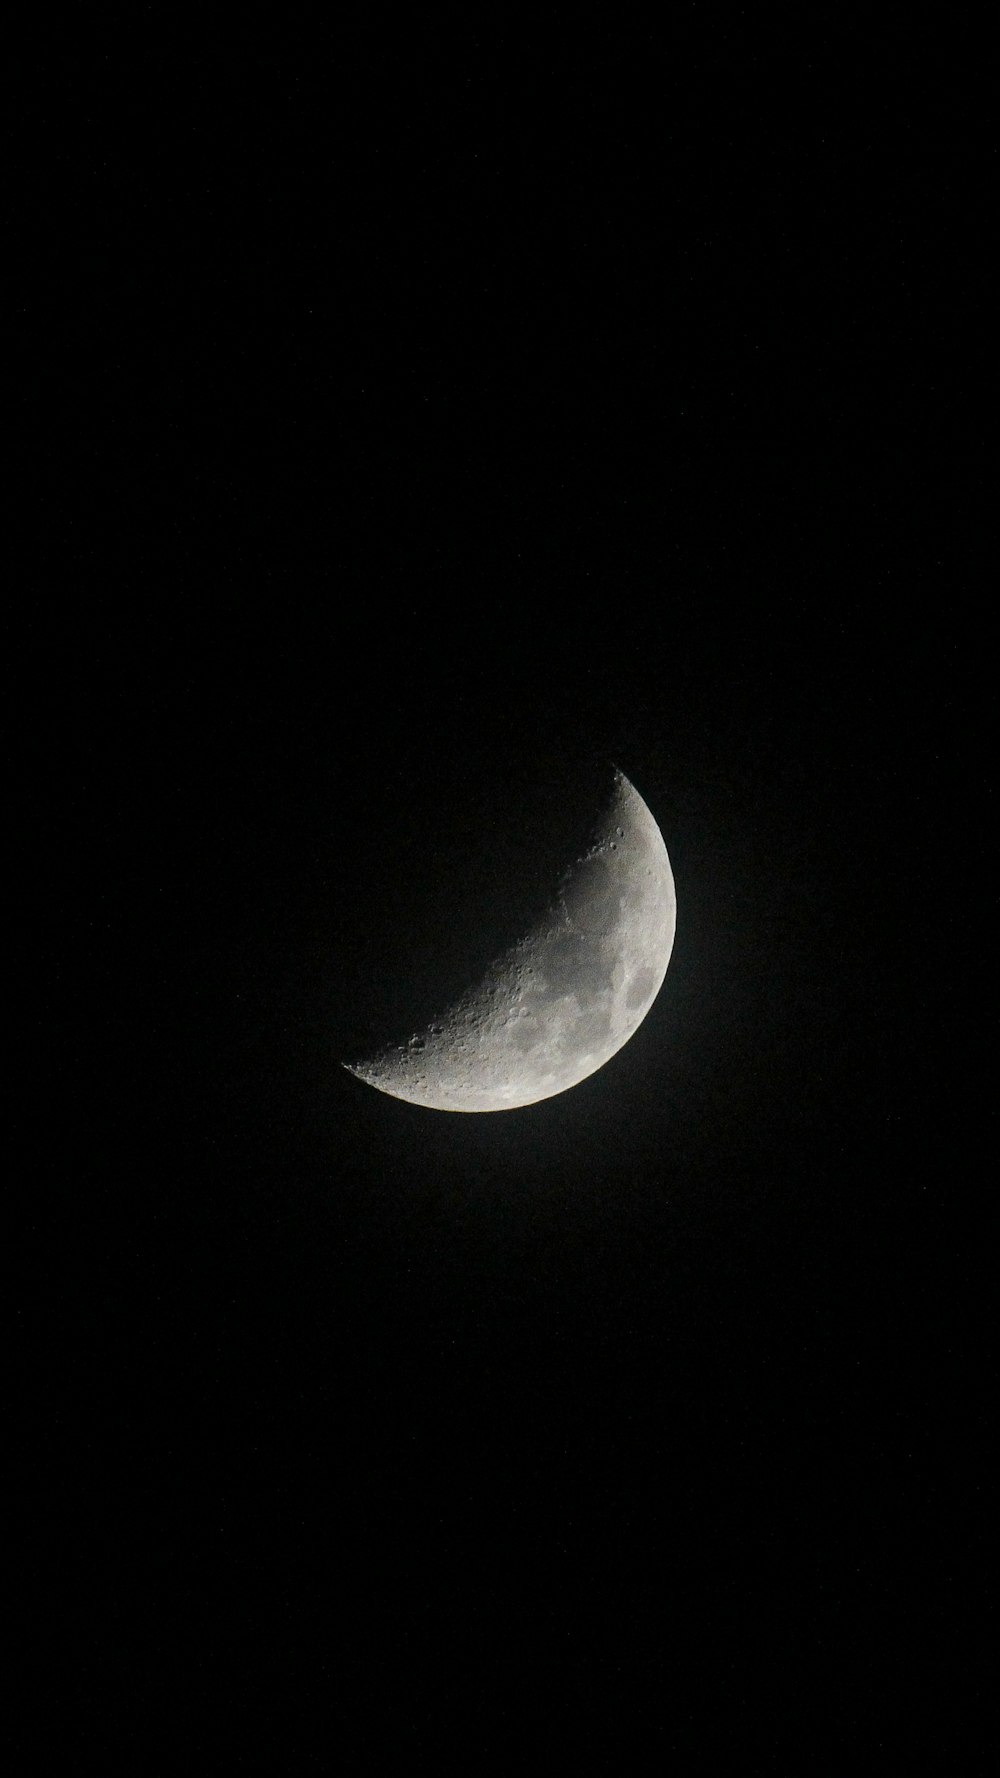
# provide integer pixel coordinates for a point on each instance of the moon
(558, 1004)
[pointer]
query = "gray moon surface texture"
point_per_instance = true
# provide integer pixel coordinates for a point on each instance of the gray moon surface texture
(559, 1003)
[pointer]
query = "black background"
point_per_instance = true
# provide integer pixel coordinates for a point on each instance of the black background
(413, 425)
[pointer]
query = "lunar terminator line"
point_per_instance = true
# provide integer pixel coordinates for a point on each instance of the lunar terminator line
(557, 1005)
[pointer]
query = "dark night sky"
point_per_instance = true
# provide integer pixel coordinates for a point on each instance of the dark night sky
(415, 426)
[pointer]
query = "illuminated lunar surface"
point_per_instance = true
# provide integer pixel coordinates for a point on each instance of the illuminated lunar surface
(558, 1004)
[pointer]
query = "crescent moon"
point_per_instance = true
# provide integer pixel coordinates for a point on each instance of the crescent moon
(561, 1002)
